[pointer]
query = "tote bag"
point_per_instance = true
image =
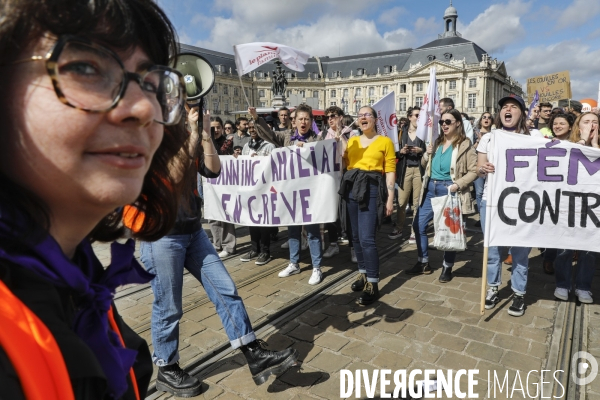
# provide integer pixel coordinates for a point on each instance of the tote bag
(447, 221)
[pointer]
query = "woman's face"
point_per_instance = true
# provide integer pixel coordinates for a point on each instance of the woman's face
(561, 128)
(85, 163)
(510, 114)
(366, 119)
(451, 128)
(303, 122)
(588, 120)
(293, 119)
(218, 128)
(486, 120)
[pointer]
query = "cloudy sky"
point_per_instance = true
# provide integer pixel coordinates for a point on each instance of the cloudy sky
(533, 37)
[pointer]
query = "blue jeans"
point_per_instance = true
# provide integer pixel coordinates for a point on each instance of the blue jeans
(424, 216)
(314, 243)
(364, 228)
(586, 265)
(520, 265)
(479, 184)
(166, 258)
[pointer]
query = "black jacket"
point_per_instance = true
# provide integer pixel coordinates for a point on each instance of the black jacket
(402, 159)
(56, 308)
(357, 181)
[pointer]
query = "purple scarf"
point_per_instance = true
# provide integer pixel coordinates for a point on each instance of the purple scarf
(95, 288)
(302, 138)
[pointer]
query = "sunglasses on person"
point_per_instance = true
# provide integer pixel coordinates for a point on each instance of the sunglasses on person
(92, 78)
(332, 116)
(446, 122)
(416, 115)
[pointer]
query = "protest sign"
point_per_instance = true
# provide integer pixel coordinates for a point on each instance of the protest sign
(550, 87)
(542, 193)
(291, 186)
(387, 123)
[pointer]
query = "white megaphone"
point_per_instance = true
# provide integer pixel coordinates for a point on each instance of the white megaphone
(198, 75)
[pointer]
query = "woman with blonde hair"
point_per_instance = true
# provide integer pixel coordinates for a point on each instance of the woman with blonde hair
(451, 165)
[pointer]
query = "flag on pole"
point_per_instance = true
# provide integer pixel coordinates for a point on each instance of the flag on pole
(387, 123)
(250, 56)
(534, 103)
(427, 125)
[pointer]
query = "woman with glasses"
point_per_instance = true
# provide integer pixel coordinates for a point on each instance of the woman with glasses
(410, 172)
(450, 166)
(106, 96)
(583, 133)
(367, 191)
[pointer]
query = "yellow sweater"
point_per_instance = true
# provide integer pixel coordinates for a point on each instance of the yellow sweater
(378, 156)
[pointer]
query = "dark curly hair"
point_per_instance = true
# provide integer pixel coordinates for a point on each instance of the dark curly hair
(122, 25)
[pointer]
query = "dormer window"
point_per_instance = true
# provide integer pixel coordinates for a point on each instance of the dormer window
(360, 72)
(260, 74)
(448, 56)
(431, 57)
(387, 69)
(220, 68)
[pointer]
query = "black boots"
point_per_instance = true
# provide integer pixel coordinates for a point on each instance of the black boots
(370, 294)
(172, 379)
(359, 283)
(263, 363)
(446, 275)
(420, 268)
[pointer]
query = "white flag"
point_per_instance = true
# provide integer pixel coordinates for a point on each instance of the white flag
(430, 112)
(387, 123)
(250, 56)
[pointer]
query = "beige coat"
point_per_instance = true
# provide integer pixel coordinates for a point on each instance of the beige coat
(463, 171)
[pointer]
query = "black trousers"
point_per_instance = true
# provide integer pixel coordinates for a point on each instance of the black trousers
(260, 237)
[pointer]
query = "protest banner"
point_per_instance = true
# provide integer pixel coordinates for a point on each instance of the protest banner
(387, 123)
(291, 186)
(550, 87)
(542, 194)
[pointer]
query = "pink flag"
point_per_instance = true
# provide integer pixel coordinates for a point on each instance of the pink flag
(387, 123)
(427, 125)
(250, 56)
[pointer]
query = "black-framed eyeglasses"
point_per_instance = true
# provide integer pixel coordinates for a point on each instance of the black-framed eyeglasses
(92, 78)
(446, 122)
(366, 115)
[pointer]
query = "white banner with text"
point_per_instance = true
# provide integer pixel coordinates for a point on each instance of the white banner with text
(291, 186)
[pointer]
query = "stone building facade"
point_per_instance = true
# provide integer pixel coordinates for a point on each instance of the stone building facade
(465, 73)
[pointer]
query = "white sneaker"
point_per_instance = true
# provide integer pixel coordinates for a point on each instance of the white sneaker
(353, 256)
(304, 243)
(332, 250)
(224, 254)
(285, 245)
(561, 293)
(316, 277)
(412, 239)
(291, 269)
(584, 296)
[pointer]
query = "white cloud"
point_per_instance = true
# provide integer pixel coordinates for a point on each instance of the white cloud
(391, 17)
(428, 26)
(498, 26)
(578, 13)
(581, 63)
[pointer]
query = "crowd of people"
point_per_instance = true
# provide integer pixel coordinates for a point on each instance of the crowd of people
(127, 164)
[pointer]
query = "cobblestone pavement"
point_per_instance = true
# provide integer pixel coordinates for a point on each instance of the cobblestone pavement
(418, 323)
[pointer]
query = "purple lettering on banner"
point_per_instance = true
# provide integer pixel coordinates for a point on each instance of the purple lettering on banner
(302, 172)
(236, 175)
(265, 199)
(292, 173)
(314, 161)
(291, 210)
(577, 157)
(282, 161)
(263, 177)
(275, 176)
(325, 161)
(276, 220)
(252, 173)
(544, 164)
(229, 170)
(306, 217)
(511, 163)
(219, 178)
(237, 211)
(256, 221)
(248, 173)
(336, 165)
(224, 199)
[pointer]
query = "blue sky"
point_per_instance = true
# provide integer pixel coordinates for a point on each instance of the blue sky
(533, 37)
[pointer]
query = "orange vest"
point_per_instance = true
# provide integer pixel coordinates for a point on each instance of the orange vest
(33, 352)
